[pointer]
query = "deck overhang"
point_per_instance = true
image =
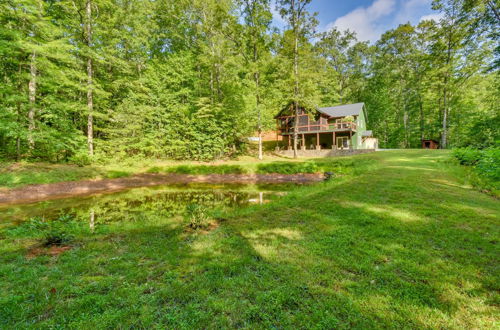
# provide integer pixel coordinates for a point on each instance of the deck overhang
(321, 131)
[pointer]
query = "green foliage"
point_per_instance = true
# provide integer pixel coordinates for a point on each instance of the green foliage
(155, 169)
(489, 164)
(81, 158)
(364, 251)
(485, 164)
(117, 174)
(205, 169)
(19, 174)
(193, 79)
(50, 232)
(288, 167)
(196, 216)
(467, 156)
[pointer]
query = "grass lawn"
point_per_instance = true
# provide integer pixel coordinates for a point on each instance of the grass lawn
(24, 173)
(400, 241)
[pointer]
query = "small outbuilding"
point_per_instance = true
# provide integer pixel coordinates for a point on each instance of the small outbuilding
(430, 144)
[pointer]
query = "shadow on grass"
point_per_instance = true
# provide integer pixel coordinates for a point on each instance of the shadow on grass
(388, 250)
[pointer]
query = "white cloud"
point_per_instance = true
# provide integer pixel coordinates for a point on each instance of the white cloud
(432, 17)
(412, 9)
(277, 19)
(364, 20)
(370, 22)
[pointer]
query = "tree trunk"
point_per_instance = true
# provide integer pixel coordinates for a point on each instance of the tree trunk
(18, 137)
(421, 108)
(19, 122)
(447, 77)
(257, 100)
(90, 76)
(444, 135)
(296, 78)
(32, 99)
(256, 77)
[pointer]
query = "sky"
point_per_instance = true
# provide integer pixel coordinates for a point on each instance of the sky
(368, 18)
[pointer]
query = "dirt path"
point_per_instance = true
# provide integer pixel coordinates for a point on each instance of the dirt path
(40, 192)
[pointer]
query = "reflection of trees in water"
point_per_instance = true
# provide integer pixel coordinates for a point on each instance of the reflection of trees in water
(143, 204)
(137, 207)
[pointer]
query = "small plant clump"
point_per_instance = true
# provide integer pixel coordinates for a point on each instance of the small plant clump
(288, 168)
(196, 216)
(206, 169)
(55, 232)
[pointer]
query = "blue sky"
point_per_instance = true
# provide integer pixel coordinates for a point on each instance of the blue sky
(368, 18)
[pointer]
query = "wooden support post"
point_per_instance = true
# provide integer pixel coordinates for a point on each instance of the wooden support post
(350, 139)
(289, 142)
(318, 147)
(303, 142)
(334, 143)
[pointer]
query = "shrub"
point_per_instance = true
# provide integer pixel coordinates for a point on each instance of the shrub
(288, 168)
(117, 174)
(154, 169)
(489, 164)
(467, 156)
(81, 158)
(206, 169)
(196, 216)
(53, 232)
(485, 166)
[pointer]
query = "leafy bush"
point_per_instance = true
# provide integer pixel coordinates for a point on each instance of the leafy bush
(196, 216)
(154, 169)
(288, 168)
(467, 156)
(489, 164)
(51, 232)
(81, 158)
(485, 166)
(206, 169)
(117, 174)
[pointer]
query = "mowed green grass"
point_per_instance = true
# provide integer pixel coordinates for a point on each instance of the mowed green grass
(19, 174)
(401, 242)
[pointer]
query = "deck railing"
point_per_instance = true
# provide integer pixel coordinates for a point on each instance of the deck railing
(321, 127)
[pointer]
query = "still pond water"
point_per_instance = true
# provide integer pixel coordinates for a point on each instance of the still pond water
(142, 203)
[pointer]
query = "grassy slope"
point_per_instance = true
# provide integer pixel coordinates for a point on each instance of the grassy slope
(24, 173)
(404, 244)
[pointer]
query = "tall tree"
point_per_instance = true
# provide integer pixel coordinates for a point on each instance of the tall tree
(90, 78)
(258, 18)
(302, 25)
(345, 65)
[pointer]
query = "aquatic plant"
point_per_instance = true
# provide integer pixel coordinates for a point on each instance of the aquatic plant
(196, 216)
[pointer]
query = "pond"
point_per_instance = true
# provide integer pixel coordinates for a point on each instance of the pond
(144, 203)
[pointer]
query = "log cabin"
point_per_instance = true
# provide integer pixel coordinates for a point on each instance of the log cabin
(339, 127)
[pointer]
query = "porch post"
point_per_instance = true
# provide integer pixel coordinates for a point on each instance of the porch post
(288, 138)
(303, 142)
(317, 141)
(350, 139)
(334, 144)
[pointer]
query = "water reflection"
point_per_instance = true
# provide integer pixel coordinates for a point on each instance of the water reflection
(145, 203)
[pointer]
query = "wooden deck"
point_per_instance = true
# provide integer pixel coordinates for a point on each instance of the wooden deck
(329, 128)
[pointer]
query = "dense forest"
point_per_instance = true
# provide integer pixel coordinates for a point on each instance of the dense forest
(193, 79)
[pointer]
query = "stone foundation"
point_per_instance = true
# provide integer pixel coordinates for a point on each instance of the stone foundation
(324, 152)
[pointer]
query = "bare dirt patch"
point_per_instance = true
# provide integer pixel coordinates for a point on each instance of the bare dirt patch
(41, 192)
(53, 250)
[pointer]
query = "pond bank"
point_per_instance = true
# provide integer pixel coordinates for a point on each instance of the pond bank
(41, 192)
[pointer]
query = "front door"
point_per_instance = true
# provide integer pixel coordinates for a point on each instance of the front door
(343, 142)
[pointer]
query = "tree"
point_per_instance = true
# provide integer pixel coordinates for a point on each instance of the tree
(345, 65)
(258, 18)
(302, 26)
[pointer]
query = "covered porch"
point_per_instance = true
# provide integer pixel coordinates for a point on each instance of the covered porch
(320, 140)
